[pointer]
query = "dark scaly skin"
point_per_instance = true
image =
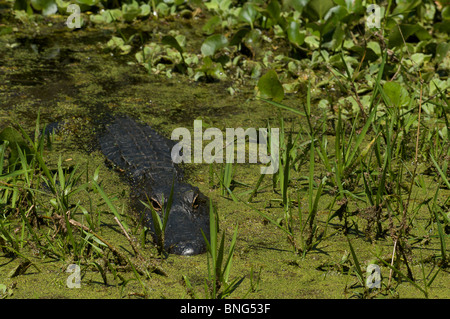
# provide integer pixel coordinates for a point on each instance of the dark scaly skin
(145, 156)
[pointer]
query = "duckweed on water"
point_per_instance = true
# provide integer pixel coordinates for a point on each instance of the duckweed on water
(349, 114)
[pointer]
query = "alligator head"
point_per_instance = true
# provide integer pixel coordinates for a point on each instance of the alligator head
(188, 217)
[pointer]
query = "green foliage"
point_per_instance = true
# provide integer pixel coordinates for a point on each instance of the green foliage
(46, 6)
(213, 43)
(16, 143)
(248, 14)
(44, 205)
(238, 37)
(398, 95)
(210, 70)
(88, 3)
(270, 87)
(294, 35)
(372, 108)
(318, 9)
(218, 285)
(131, 11)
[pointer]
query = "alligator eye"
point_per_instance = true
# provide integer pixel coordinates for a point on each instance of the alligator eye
(195, 202)
(156, 205)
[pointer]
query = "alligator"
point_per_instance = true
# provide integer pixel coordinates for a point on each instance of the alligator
(145, 157)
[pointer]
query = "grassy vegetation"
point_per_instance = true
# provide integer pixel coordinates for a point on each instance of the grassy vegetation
(364, 150)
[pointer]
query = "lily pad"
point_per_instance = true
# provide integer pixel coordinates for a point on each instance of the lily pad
(396, 93)
(213, 43)
(210, 70)
(270, 87)
(145, 10)
(248, 14)
(400, 34)
(131, 11)
(48, 7)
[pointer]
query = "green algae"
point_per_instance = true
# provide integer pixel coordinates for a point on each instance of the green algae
(86, 84)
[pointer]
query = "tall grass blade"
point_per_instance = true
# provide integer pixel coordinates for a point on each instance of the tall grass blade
(398, 272)
(441, 173)
(359, 272)
(282, 106)
(110, 204)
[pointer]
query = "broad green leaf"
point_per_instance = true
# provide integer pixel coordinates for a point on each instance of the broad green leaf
(420, 58)
(23, 5)
(441, 51)
(313, 41)
(131, 11)
(321, 7)
(239, 36)
(12, 136)
(298, 4)
(337, 38)
(88, 2)
(294, 35)
(400, 34)
(350, 5)
(39, 4)
(368, 53)
(162, 9)
(397, 94)
(270, 87)
(210, 26)
(170, 40)
(145, 10)
(48, 7)
(335, 15)
(248, 14)
(213, 43)
(274, 10)
(446, 13)
(210, 69)
(405, 6)
(115, 42)
(62, 5)
(112, 15)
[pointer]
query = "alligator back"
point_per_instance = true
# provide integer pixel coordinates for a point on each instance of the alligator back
(139, 150)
